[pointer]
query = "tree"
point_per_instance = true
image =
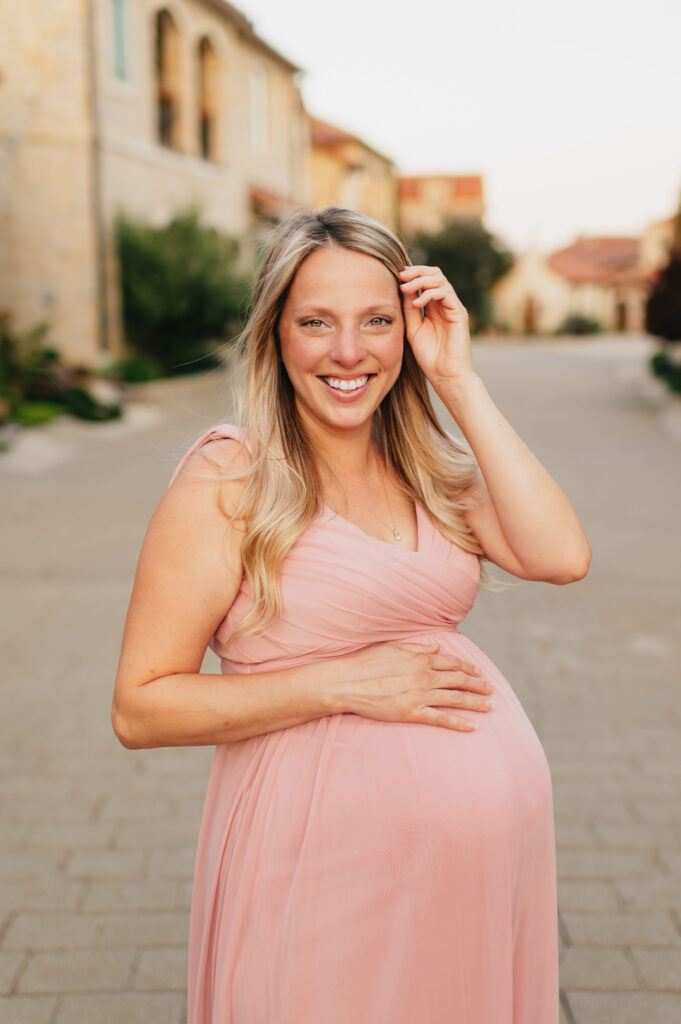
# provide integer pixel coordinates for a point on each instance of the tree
(180, 288)
(471, 258)
(663, 307)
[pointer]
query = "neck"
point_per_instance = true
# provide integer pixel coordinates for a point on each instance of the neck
(348, 454)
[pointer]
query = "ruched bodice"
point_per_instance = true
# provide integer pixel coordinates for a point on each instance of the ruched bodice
(352, 870)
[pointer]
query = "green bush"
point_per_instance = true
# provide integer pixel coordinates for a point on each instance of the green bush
(575, 323)
(32, 413)
(134, 369)
(667, 370)
(471, 258)
(181, 292)
(37, 385)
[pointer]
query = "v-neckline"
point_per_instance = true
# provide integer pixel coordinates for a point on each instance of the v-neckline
(386, 543)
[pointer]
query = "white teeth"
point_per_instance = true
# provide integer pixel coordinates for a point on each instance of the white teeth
(346, 385)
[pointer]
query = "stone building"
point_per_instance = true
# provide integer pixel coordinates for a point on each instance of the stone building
(345, 171)
(427, 202)
(135, 105)
(605, 279)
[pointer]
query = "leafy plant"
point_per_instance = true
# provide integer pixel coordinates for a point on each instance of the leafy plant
(180, 289)
(576, 323)
(471, 258)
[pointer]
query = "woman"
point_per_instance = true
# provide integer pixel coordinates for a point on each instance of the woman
(377, 842)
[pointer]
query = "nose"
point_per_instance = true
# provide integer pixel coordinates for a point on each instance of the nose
(348, 347)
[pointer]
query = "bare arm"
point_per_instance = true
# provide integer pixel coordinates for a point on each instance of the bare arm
(188, 575)
(520, 515)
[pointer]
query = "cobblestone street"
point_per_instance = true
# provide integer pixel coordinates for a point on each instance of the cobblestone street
(97, 843)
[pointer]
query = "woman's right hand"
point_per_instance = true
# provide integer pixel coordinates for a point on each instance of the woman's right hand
(402, 681)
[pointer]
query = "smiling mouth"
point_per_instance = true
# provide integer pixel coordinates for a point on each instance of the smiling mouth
(346, 384)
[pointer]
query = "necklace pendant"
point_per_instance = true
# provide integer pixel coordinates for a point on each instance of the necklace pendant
(397, 534)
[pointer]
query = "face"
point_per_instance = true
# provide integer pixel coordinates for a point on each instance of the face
(341, 332)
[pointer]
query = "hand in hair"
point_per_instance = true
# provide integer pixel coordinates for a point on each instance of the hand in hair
(436, 324)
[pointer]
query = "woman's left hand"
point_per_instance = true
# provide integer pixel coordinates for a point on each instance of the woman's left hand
(441, 340)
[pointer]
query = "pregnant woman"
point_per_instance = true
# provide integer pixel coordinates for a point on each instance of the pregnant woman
(377, 843)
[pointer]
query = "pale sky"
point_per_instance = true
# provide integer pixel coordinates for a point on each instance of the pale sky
(571, 111)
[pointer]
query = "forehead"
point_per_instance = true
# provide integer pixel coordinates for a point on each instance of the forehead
(332, 271)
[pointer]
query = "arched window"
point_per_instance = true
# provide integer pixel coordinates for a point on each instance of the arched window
(208, 99)
(167, 80)
(260, 110)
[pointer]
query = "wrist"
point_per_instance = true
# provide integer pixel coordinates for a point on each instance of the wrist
(457, 390)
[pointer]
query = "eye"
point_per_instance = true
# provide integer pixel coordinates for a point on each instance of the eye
(378, 321)
(311, 323)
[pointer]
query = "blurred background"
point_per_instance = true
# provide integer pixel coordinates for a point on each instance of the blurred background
(147, 149)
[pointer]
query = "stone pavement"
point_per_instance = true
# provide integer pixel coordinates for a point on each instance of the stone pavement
(97, 843)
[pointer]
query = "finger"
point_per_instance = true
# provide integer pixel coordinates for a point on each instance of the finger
(460, 699)
(413, 317)
(438, 716)
(434, 294)
(417, 271)
(427, 281)
(458, 680)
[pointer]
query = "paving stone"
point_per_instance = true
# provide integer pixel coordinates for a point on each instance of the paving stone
(10, 963)
(86, 931)
(581, 894)
(162, 970)
(624, 1007)
(623, 929)
(69, 835)
(660, 892)
(106, 864)
(27, 1009)
(594, 968)
(661, 968)
(604, 864)
(124, 1008)
(41, 894)
(77, 970)
(148, 894)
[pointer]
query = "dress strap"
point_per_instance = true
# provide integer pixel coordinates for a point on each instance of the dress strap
(221, 432)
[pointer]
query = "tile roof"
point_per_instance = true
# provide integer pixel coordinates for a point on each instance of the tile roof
(328, 136)
(601, 260)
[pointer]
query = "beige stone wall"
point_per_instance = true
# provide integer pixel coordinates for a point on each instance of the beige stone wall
(48, 230)
(533, 297)
(48, 265)
(353, 176)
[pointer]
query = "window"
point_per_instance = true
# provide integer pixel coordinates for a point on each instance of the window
(167, 47)
(118, 35)
(208, 99)
(260, 112)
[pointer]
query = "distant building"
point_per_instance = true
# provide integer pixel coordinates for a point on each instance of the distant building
(139, 106)
(345, 171)
(427, 202)
(603, 279)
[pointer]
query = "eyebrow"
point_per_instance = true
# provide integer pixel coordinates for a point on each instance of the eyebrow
(322, 311)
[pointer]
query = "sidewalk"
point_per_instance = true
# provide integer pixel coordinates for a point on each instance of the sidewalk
(97, 843)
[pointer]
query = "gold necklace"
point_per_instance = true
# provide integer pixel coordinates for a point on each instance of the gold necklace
(395, 532)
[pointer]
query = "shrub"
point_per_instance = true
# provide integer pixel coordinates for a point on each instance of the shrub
(37, 385)
(667, 370)
(663, 307)
(471, 259)
(180, 289)
(576, 323)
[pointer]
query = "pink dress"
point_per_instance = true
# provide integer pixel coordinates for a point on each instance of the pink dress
(351, 871)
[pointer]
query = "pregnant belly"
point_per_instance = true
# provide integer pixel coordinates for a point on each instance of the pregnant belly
(343, 794)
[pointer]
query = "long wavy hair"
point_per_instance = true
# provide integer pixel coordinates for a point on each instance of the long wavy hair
(282, 492)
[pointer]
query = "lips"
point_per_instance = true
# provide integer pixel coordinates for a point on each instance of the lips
(347, 387)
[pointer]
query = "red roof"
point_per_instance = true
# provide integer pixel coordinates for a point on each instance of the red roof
(327, 136)
(461, 186)
(599, 260)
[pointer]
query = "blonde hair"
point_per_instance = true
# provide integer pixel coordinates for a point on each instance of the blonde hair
(282, 492)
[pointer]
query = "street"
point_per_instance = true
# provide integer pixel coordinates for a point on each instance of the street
(97, 843)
